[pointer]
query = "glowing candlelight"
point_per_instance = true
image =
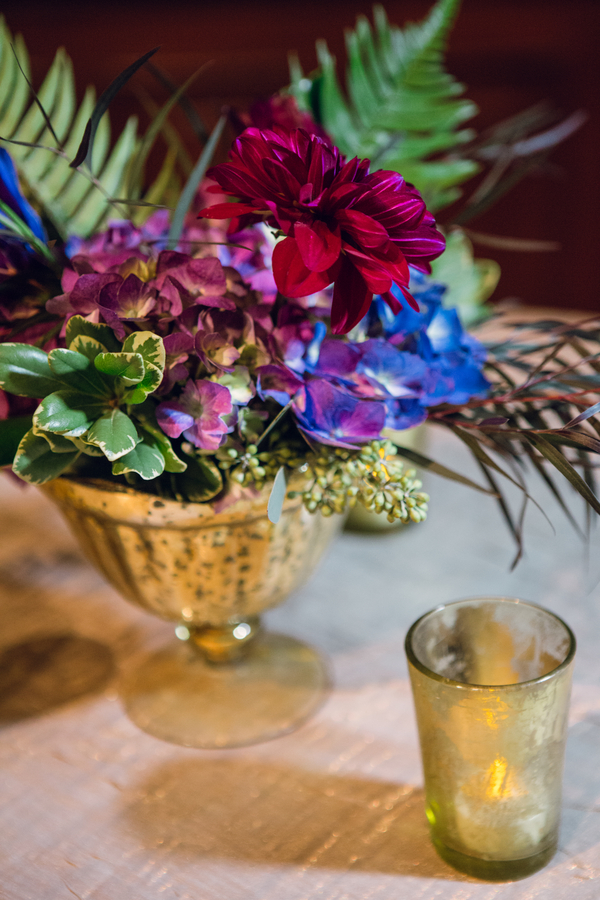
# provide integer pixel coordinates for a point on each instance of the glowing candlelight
(491, 682)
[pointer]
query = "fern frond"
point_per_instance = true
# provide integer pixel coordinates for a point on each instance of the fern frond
(402, 107)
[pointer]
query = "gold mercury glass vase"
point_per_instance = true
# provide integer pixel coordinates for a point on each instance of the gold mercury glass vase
(491, 680)
(225, 683)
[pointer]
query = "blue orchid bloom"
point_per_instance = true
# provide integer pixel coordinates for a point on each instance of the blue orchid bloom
(12, 197)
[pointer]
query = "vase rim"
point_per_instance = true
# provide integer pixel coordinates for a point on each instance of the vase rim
(122, 503)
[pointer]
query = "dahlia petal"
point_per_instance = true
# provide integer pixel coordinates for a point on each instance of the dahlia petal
(351, 298)
(393, 302)
(374, 272)
(362, 228)
(292, 277)
(318, 245)
(409, 298)
(283, 178)
(227, 210)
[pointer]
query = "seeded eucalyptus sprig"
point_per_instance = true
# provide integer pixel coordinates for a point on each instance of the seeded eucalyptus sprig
(373, 476)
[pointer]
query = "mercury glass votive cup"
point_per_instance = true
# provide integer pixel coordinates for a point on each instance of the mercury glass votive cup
(491, 680)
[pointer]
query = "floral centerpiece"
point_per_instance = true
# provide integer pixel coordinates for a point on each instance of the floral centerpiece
(197, 359)
(180, 354)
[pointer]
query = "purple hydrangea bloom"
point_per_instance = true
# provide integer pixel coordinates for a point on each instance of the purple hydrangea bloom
(332, 416)
(338, 360)
(198, 414)
(277, 382)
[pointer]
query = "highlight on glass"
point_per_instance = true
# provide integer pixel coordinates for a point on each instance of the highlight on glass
(491, 681)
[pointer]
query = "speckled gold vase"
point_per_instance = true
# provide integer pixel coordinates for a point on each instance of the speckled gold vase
(225, 683)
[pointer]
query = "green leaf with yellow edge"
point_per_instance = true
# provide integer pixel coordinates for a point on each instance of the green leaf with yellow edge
(77, 371)
(58, 443)
(114, 433)
(150, 347)
(24, 371)
(87, 346)
(67, 412)
(145, 460)
(149, 383)
(128, 367)
(77, 326)
(36, 462)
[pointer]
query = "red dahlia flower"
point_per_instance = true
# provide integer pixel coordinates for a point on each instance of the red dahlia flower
(342, 224)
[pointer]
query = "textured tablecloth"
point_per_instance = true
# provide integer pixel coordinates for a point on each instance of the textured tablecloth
(93, 808)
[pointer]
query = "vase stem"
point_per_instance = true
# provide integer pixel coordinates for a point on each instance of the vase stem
(225, 643)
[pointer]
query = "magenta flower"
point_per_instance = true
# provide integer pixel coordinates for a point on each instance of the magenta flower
(342, 224)
(197, 414)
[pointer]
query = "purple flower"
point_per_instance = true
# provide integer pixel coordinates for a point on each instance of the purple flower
(338, 359)
(198, 414)
(277, 382)
(332, 416)
(126, 300)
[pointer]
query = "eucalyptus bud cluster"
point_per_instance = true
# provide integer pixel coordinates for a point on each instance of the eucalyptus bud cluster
(384, 486)
(374, 476)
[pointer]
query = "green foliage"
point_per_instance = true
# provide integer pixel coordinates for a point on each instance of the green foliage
(43, 144)
(402, 108)
(144, 460)
(469, 282)
(88, 405)
(11, 433)
(37, 462)
(201, 482)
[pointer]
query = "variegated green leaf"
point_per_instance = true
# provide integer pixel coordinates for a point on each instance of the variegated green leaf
(37, 463)
(129, 367)
(114, 433)
(77, 325)
(145, 460)
(67, 412)
(150, 347)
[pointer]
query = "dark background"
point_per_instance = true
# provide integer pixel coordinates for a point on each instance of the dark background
(510, 53)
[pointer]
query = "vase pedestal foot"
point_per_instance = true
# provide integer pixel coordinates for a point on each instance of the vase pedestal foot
(176, 695)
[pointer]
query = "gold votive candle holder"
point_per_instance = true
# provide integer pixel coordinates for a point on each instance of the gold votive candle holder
(491, 680)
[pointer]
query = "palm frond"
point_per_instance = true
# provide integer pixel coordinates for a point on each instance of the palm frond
(543, 409)
(78, 200)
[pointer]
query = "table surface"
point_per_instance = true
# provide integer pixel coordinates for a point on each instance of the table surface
(93, 808)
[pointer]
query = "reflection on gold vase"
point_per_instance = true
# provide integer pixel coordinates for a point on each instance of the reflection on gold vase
(226, 683)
